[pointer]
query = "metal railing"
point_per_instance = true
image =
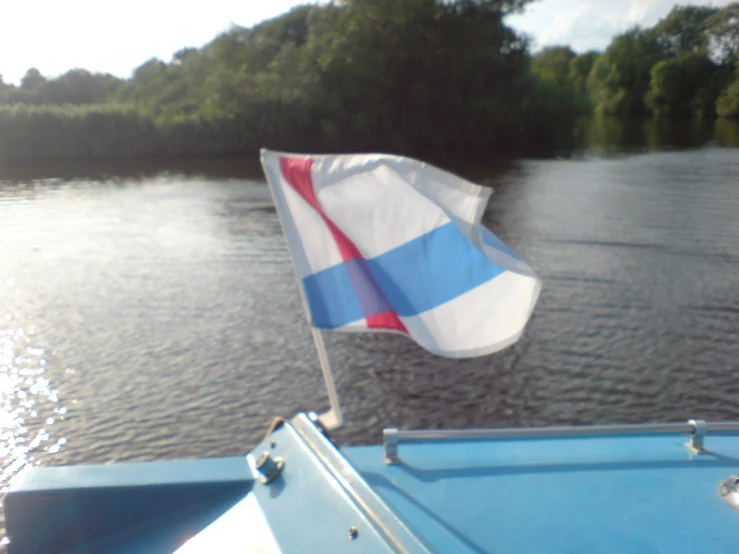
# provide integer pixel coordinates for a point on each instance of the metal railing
(365, 499)
(696, 428)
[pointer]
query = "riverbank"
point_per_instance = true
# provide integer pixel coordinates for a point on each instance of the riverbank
(591, 137)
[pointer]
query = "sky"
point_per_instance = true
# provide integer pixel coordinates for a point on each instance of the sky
(57, 35)
(114, 37)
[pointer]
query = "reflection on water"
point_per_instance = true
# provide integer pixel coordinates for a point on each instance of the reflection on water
(156, 315)
(607, 136)
(727, 132)
(52, 171)
(593, 137)
(29, 406)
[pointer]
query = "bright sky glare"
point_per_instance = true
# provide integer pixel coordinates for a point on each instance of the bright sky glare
(114, 37)
(55, 36)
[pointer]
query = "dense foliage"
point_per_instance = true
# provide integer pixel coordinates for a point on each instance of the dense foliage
(425, 77)
(682, 66)
(679, 67)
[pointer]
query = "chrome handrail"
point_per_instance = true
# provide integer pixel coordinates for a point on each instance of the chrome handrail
(387, 523)
(696, 428)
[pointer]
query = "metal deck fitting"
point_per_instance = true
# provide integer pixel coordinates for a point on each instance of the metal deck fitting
(697, 429)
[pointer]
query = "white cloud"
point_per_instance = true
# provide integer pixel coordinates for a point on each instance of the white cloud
(563, 24)
(639, 11)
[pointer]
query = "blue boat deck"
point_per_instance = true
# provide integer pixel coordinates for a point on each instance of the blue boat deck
(640, 494)
(596, 495)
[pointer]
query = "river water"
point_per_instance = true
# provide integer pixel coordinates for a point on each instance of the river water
(148, 315)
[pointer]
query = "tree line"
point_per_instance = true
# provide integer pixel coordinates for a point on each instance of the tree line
(686, 65)
(432, 78)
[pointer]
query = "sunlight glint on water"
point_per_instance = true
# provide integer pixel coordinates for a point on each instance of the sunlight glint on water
(173, 299)
(27, 399)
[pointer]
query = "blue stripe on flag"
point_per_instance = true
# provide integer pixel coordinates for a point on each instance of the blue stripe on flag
(368, 293)
(431, 270)
(331, 298)
(413, 278)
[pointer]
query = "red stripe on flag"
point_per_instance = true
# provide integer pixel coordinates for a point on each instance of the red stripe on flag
(386, 320)
(297, 173)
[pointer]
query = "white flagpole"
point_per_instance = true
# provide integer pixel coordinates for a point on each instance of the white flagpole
(331, 419)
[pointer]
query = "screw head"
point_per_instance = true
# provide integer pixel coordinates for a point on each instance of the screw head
(268, 467)
(353, 533)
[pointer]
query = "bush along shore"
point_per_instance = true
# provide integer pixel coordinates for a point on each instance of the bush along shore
(421, 77)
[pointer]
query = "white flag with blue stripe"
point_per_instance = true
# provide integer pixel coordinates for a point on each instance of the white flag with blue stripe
(386, 243)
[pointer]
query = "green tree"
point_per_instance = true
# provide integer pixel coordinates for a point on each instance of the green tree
(33, 80)
(727, 133)
(179, 57)
(580, 68)
(579, 71)
(149, 87)
(681, 85)
(401, 74)
(554, 97)
(728, 103)
(79, 87)
(684, 29)
(553, 64)
(253, 49)
(722, 29)
(427, 77)
(621, 76)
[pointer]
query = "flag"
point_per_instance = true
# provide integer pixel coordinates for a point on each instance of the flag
(387, 243)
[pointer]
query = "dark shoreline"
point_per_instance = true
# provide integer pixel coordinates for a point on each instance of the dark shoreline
(593, 137)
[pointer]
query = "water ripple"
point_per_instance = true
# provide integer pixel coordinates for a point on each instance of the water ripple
(29, 405)
(167, 314)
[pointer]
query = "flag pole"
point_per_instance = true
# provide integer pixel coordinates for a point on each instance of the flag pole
(331, 419)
